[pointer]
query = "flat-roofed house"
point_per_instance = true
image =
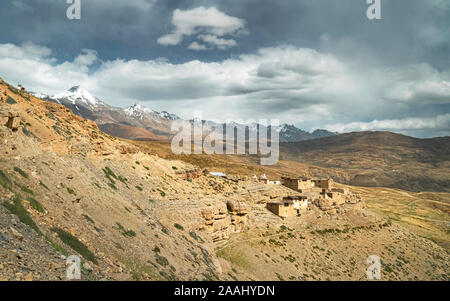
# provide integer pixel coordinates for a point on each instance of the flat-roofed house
(298, 184)
(323, 183)
(290, 206)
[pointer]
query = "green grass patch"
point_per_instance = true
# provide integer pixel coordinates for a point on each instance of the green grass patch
(125, 232)
(21, 172)
(88, 218)
(24, 188)
(36, 205)
(163, 194)
(57, 247)
(5, 181)
(10, 100)
(196, 237)
(75, 244)
(43, 185)
(112, 177)
(179, 227)
(17, 209)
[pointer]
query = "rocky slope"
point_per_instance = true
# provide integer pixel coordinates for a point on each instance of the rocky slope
(68, 188)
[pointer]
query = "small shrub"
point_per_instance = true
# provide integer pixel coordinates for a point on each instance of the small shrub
(111, 176)
(162, 260)
(17, 209)
(70, 191)
(112, 186)
(10, 100)
(43, 185)
(279, 277)
(126, 233)
(24, 188)
(139, 188)
(88, 218)
(5, 181)
(75, 244)
(163, 194)
(193, 235)
(36, 205)
(179, 227)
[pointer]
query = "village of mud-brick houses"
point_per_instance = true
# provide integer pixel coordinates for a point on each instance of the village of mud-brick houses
(305, 197)
(307, 192)
(321, 193)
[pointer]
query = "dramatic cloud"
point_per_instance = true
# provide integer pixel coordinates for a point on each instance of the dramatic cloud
(86, 58)
(295, 85)
(213, 23)
(419, 83)
(183, 56)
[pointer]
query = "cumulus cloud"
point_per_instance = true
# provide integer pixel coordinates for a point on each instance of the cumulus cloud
(206, 24)
(26, 50)
(86, 58)
(296, 85)
(197, 46)
(419, 82)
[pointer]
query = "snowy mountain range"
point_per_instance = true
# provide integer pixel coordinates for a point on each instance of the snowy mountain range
(142, 123)
(138, 111)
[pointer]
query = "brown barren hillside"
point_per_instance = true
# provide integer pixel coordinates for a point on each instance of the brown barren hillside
(379, 159)
(66, 188)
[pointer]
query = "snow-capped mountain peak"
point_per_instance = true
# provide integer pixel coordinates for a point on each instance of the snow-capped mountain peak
(77, 95)
(40, 95)
(168, 116)
(137, 111)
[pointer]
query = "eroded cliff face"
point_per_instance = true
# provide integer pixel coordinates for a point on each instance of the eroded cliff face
(223, 219)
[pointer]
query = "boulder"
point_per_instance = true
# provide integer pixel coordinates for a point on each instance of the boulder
(237, 208)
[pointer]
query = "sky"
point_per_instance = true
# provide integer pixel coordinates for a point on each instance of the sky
(311, 63)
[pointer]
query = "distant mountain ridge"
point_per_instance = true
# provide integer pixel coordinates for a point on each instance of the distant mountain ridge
(138, 122)
(379, 159)
(290, 133)
(134, 122)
